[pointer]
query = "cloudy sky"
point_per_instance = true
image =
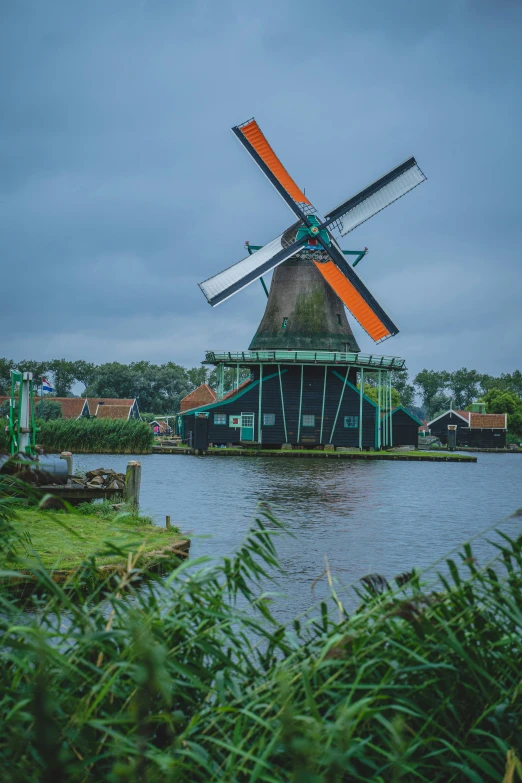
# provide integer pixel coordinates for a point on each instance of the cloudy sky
(122, 186)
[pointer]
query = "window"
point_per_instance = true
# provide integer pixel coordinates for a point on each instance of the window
(285, 321)
(308, 421)
(351, 422)
(339, 319)
(268, 419)
(220, 418)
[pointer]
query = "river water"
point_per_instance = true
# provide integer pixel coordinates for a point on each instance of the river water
(364, 516)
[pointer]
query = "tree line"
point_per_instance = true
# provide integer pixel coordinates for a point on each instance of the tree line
(160, 387)
(157, 387)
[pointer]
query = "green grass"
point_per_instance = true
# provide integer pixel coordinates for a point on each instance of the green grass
(63, 540)
(399, 455)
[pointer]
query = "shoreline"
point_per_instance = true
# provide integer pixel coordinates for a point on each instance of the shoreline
(313, 454)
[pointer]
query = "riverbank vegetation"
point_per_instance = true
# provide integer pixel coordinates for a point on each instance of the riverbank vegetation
(96, 436)
(191, 678)
(63, 540)
(91, 436)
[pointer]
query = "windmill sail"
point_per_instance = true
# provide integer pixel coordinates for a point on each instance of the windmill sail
(377, 196)
(228, 282)
(252, 138)
(355, 295)
(355, 302)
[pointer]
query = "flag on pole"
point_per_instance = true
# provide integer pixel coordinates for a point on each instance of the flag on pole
(46, 386)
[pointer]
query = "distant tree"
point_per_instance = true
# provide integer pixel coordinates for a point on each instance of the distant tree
(111, 380)
(431, 383)
(52, 410)
(373, 393)
(85, 372)
(418, 411)
(511, 382)
(463, 386)
(158, 388)
(406, 390)
(148, 417)
(440, 403)
(6, 365)
(172, 384)
(38, 369)
(63, 376)
(197, 376)
(500, 401)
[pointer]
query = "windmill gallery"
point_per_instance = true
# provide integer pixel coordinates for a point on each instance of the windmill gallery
(306, 372)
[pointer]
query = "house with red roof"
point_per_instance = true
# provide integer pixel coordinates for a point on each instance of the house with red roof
(475, 428)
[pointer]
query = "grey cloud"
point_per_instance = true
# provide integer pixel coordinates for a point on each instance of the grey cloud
(122, 186)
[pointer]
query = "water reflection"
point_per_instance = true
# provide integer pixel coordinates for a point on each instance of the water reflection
(365, 516)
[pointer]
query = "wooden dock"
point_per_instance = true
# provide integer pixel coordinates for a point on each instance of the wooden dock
(79, 494)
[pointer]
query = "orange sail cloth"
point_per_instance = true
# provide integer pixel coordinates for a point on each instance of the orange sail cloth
(353, 300)
(253, 133)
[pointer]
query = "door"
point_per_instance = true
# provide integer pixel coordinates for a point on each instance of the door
(201, 432)
(247, 426)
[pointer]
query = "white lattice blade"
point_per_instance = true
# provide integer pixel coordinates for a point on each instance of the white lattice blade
(381, 199)
(231, 280)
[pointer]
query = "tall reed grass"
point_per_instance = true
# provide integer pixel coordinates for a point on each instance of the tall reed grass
(192, 680)
(96, 436)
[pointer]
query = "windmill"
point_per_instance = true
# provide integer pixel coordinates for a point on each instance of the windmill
(306, 384)
(320, 260)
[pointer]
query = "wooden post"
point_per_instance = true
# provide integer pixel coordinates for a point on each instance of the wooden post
(379, 436)
(68, 457)
(259, 436)
(300, 406)
(282, 401)
(361, 392)
(132, 484)
(391, 411)
(322, 409)
(339, 406)
(167, 522)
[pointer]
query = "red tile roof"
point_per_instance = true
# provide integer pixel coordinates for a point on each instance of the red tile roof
(113, 412)
(487, 421)
(72, 407)
(95, 401)
(203, 395)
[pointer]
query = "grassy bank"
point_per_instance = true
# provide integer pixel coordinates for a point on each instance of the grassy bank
(177, 682)
(63, 540)
(421, 455)
(96, 436)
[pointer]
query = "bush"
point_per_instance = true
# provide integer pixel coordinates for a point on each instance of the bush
(499, 401)
(96, 436)
(177, 682)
